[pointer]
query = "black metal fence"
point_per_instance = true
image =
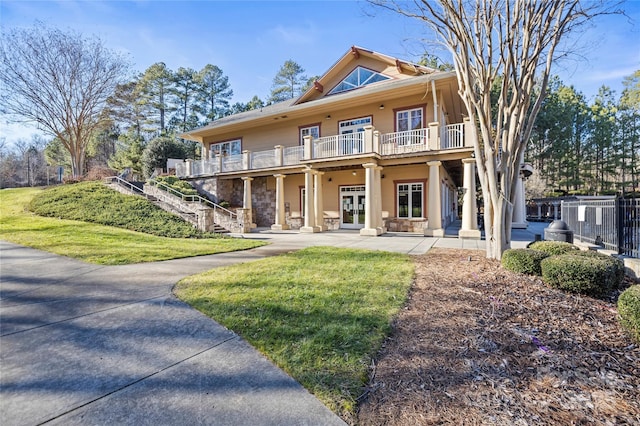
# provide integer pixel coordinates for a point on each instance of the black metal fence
(612, 224)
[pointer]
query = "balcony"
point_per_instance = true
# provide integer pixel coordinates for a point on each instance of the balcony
(370, 141)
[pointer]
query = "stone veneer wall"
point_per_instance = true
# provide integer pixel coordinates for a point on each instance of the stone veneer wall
(405, 225)
(217, 190)
(264, 202)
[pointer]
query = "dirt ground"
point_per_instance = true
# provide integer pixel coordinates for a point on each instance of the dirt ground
(479, 345)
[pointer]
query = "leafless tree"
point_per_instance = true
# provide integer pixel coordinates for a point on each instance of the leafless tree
(509, 45)
(59, 80)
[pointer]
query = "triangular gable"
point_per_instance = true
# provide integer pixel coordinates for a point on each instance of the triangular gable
(358, 68)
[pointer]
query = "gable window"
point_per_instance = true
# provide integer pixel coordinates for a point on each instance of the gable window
(226, 148)
(410, 200)
(313, 131)
(358, 78)
(410, 119)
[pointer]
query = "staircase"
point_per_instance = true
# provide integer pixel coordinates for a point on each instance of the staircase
(188, 207)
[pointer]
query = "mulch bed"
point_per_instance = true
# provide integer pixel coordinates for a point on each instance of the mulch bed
(477, 344)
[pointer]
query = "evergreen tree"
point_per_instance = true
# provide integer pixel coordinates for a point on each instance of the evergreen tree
(155, 89)
(214, 93)
(629, 119)
(288, 83)
(186, 82)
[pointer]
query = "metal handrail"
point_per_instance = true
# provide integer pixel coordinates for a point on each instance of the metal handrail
(191, 198)
(124, 182)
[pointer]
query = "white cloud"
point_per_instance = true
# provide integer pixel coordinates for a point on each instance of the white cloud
(294, 35)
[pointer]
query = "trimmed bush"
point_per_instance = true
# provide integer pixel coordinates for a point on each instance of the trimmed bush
(613, 262)
(523, 261)
(553, 248)
(590, 275)
(629, 310)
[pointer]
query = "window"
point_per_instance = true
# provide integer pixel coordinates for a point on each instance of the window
(410, 119)
(410, 200)
(233, 147)
(358, 78)
(313, 131)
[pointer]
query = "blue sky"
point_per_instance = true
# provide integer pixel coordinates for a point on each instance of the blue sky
(250, 40)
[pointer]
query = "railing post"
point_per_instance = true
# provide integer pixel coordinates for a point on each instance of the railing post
(308, 148)
(434, 136)
(218, 161)
(246, 160)
(189, 167)
(620, 225)
(469, 133)
(278, 152)
(368, 139)
(376, 141)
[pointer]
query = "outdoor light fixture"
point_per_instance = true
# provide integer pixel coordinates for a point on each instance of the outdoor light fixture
(382, 106)
(354, 173)
(328, 117)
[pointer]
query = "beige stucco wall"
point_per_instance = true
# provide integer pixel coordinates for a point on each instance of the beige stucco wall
(287, 133)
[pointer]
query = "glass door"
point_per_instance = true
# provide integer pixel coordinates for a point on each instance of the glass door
(352, 200)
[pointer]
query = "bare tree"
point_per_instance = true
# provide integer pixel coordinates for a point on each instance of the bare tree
(59, 80)
(511, 44)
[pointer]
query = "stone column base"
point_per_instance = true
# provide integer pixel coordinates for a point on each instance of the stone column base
(310, 229)
(279, 227)
(520, 225)
(371, 232)
(434, 232)
(469, 234)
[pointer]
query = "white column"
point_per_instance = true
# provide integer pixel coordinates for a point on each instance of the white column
(379, 223)
(309, 209)
(372, 203)
(281, 223)
(318, 201)
(469, 229)
(246, 198)
(434, 228)
(539, 204)
(519, 217)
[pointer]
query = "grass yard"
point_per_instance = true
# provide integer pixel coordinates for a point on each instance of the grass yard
(96, 243)
(320, 313)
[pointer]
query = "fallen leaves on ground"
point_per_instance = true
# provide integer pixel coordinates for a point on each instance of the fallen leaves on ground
(477, 344)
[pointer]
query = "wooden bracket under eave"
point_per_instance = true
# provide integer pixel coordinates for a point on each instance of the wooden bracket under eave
(399, 65)
(355, 52)
(318, 86)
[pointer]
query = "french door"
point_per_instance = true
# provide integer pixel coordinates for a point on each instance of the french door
(352, 200)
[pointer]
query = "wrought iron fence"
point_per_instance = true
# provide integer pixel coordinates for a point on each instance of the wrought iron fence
(613, 224)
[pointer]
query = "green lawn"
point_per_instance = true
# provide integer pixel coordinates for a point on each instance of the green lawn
(95, 243)
(320, 313)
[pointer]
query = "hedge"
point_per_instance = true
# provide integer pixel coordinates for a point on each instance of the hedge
(553, 247)
(629, 310)
(585, 274)
(523, 261)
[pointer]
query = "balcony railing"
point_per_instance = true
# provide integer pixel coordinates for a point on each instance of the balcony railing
(404, 142)
(398, 143)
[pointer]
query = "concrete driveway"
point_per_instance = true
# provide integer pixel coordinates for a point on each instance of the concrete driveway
(87, 344)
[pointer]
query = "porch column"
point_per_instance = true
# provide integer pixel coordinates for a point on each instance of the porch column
(539, 204)
(246, 198)
(379, 223)
(555, 209)
(281, 223)
(309, 209)
(372, 203)
(519, 217)
(368, 139)
(469, 229)
(307, 147)
(434, 228)
(318, 201)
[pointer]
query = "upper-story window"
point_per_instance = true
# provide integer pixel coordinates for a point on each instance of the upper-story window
(232, 147)
(313, 131)
(410, 119)
(358, 78)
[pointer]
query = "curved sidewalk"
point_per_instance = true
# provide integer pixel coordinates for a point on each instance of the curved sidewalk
(90, 344)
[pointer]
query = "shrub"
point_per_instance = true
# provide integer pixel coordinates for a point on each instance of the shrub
(613, 262)
(553, 248)
(590, 275)
(629, 310)
(523, 261)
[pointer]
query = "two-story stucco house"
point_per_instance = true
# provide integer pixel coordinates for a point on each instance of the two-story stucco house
(376, 144)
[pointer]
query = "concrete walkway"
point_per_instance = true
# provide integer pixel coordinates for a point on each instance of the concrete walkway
(89, 344)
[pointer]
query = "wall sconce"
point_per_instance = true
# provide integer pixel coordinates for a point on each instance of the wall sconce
(382, 106)
(354, 173)
(329, 180)
(328, 117)
(381, 176)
